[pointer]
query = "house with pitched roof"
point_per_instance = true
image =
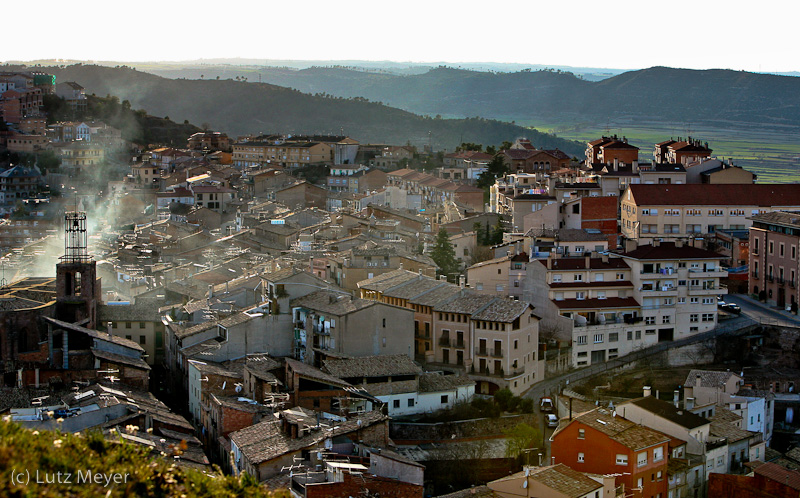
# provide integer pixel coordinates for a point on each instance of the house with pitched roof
(493, 340)
(603, 442)
(554, 481)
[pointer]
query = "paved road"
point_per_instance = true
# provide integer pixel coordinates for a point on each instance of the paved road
(753, 312)
(763, 313)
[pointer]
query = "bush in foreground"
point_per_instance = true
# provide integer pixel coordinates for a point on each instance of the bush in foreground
(55, 464)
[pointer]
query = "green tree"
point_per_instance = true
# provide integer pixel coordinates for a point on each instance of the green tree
(519, 438)
(503, 397)
(444, 255)
(469, 146)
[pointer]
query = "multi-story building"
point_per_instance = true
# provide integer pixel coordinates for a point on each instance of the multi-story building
(677, 286)
(209, 141)
(611, 150)
(681, 151)
(332, 323)
(293, 152)
(493, 340)
(80, 156)
(620, 302)
(671, 212)
(602, 442)
(773, 258)
(504, 276)
(391, 156)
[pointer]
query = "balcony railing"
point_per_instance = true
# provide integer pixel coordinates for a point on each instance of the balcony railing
(754, 274)
(496, 352)
(455, 343)
(444, 341)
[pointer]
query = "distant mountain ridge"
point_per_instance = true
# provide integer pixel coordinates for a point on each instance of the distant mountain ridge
(238, 108)
(657, 93)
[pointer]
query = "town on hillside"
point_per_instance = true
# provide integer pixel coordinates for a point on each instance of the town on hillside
(338, 318)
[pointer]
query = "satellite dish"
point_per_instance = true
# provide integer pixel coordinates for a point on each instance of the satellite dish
(224, 384)
(525, 483)
(238, 388)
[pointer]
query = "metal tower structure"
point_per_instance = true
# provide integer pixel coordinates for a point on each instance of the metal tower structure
(75, 238)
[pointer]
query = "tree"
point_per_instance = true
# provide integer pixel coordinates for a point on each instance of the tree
(519, 438)
(444, 255)
(496, 168)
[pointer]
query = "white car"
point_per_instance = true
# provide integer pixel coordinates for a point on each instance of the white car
(552, 420)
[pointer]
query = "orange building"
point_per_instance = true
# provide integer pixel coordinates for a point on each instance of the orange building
(600, 442)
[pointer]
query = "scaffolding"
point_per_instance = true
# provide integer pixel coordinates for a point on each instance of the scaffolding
(75, 240)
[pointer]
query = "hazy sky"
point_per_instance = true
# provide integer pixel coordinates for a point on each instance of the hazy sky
(755, 36)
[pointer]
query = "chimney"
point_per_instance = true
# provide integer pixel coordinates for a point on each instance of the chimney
(676, 395)
(678, 243)
(443, 278)
(635, 166)
(656, 242)
(689, 403)
(210, 291)
(616, 164)
(631, 245)
(461, 281)
(604, 257)
(108, 327)
(647, 391)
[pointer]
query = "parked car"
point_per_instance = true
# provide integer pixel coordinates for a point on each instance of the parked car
(732, 307)
(552, 420)
(546, 405)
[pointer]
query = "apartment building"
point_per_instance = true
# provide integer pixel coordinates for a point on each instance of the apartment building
(504, 276)
(495, 341)
(773, 258)
(681, 151)
(602, 442)
(279, 153)
(80, 156)
(671, 212)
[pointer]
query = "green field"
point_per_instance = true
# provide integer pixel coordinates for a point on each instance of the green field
(772, 152)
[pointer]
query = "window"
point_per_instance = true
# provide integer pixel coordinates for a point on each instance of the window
(142, 339)
(580, 295)
(649, 320)
(396, 403)
(580, 458)
(666, 319)
(613, 336)
(598, 277)
(581, 433)
(681, 300)
(410, 402)
(620, 276)
(141, 325)
(694, 318)
(582, 340)
(444, 399)
(598, 338)
(622, 459)
(641, 459)
(499, 288)
(658, 455)
(556, 278)
(127, 325)
(771, 247)
(578, 277)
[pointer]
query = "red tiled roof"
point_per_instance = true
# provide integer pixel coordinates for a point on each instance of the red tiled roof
(667, 250)
(616, 144)
(580, 263)
(611, 302)
(766, 194)
(777, 473)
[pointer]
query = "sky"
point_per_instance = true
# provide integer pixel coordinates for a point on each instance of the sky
(621, 34)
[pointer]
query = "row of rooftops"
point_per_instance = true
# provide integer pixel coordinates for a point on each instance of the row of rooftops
(443, 296)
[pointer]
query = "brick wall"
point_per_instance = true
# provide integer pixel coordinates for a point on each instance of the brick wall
(364, 485)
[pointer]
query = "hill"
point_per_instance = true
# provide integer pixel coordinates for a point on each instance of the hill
(239, 107)
(657, 93)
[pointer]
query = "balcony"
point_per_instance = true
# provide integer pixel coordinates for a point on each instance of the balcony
(419, 334)
(455, 343)
(495, 352)
(444, 341)
(708, 272)
(754, 274)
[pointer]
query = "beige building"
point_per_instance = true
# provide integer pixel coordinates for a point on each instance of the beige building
(671, 212)
(80, 156)
(493, 340)
(333, 323)
(623, 302)
(279, 153)
(553, 481)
